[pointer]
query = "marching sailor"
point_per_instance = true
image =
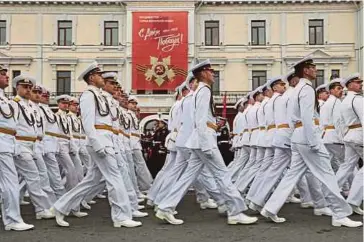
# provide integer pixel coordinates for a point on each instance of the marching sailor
(39, 145)
(97, 123)
(351, 111)
(77, 136)
(203, 145)
(9, 184)
(322, 94)
(110, 92)
(50, 145)
(144, 177)
(308, 152)
(66, 143)
(26, 136)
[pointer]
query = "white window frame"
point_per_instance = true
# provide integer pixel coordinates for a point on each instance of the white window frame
(212, 17)
(7, 18)
(313, 16)
(106, 18)
(65, 17)
(267, 20)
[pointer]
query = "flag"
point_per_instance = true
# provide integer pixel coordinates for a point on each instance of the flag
(224, 106)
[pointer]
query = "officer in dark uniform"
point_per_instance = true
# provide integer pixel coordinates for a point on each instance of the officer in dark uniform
(159, 150)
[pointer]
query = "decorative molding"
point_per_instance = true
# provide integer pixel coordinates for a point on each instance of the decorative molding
(62, 61)
(259, 60)
(320, 57)
(110, 60)
(214, 61)
(15, 60)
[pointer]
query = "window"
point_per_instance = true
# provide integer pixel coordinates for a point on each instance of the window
(2, 32)
(212, 33)
(64, 33)
(216, 85)
(316, 32)
(258, 32)
(15, 73)
(111, 33)
(334, 74)
(320, 78)
(63, 82)
(259, 78)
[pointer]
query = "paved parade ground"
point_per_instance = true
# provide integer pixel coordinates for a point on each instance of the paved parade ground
(199, 226)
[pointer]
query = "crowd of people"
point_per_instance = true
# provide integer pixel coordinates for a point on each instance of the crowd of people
(283, 137)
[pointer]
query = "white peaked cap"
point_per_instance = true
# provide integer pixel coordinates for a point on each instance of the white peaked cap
(132, 99)
(333, 81)
(93, 67)
(24, 79)
(322, 86)
(349, 78)
(63, 97)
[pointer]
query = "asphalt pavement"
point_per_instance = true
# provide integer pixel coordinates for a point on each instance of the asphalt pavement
(200, 225)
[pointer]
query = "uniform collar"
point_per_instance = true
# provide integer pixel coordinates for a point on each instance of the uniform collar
(352, 93)
(2, 94)
(306, 81)
(93, 88)
(276, 94)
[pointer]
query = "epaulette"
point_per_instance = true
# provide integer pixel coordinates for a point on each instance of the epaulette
(16, 99)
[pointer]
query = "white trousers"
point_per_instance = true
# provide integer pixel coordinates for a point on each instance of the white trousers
(318, 162)
(54, 174)
(356, 192)
(239, 163)
(216, 165)
(106, 167)
(346, 169)
(157, 183)
(43, 175)
(144, 177)
(259, 177)
(9, 190)
(204, 184)
(28, 171)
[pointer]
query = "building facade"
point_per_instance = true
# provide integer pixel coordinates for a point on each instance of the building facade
(246, 41)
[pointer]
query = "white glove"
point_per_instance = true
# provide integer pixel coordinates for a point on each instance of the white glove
(101, 153)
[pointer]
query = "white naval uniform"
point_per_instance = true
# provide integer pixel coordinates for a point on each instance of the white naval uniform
(9, 184)
(51, 147)
(308, 152)
(205, 184)
(173, 126)
(247, 175)
(119, 148)
(39, 152)
(265, 151)
(144, 177)
(66, 149)
(77, 137)
(104, 164)
(265, 140)
(281, 141)
(125, 137)
(331, 139)
(26, 135)
(203, 143)
(352, 113)
(237, 164)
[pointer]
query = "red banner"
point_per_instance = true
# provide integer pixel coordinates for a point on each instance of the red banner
(159, 50)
